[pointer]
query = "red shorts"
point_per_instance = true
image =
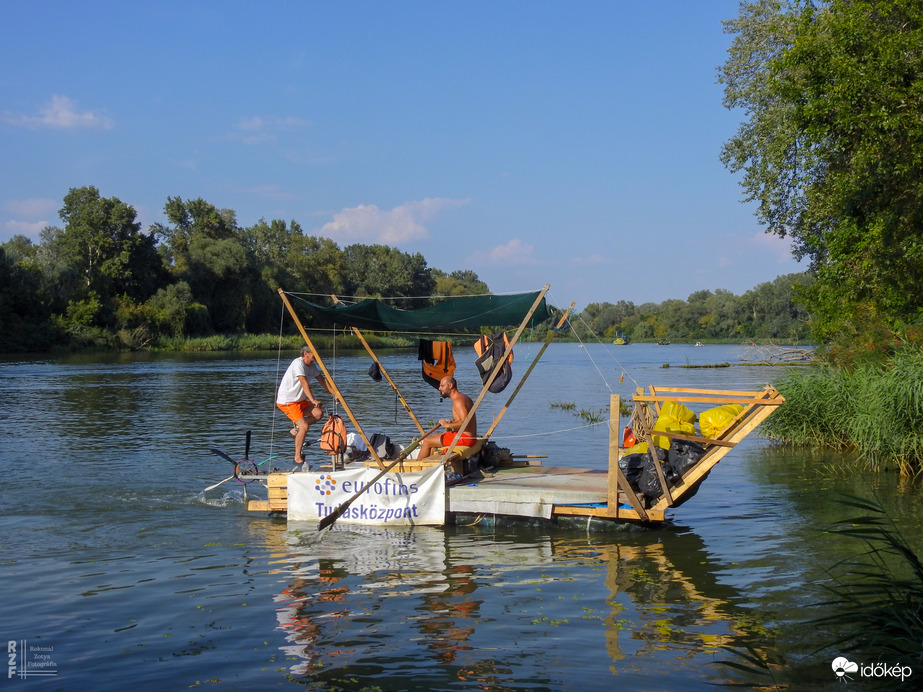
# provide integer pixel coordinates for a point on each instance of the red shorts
(464, 439)
(298, 409)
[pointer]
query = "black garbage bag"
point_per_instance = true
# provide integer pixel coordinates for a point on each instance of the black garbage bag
(649, 482)
(632, 466)
(682, 456)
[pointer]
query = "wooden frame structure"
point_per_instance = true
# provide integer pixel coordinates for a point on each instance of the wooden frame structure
(624, 503)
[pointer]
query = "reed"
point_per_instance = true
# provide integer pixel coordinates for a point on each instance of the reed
(877, 595)
(874, 612)
(874, 410)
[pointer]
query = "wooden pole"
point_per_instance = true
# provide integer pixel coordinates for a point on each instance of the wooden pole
(548, 337)
(384, 372)
(499, 365)
(388, 378)
(336, 391)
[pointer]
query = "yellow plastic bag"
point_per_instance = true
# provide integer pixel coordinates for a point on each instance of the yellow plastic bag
(674, 425)
(714, 420)
(639, 448)
(678, 411)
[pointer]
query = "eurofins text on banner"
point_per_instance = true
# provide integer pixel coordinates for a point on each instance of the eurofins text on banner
(416, 498)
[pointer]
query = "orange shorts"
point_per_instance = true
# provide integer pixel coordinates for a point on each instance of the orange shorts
(464, 439)
(298, 409)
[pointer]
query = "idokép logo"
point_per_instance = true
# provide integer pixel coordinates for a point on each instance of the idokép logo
(844, 669)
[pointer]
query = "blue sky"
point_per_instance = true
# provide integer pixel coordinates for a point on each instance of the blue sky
(569, 143)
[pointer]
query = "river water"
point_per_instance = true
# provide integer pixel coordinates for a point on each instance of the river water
(119, 572)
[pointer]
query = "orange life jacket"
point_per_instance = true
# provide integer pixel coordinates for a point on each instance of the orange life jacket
(438, 361)
(333, 435)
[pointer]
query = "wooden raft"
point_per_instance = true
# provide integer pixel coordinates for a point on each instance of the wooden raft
(623, 503)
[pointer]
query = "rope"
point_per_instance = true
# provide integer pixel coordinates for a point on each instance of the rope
(552, 432)
(608, 352)
(275, 409)
(642, 418)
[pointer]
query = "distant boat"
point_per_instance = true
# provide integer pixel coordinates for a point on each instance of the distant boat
(621, 340)
(699, 343)
(663, 342)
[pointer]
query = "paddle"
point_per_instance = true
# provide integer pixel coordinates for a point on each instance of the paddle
(212, 487)
(335, 514)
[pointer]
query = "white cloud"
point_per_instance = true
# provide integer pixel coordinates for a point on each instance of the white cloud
(515, 252)
(592, 260)
(257, 129)
(32, 215)
(369, 224)
(30, 229)
(31, 208)
(772, 246)
(61, 113)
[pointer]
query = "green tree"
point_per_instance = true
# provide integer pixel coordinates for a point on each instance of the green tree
(462, 282)
(832, 147)
(207, 250)
(192, 220)
(105, 251)
(382, 271)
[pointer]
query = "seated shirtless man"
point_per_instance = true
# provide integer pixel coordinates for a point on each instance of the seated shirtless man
(453, 436)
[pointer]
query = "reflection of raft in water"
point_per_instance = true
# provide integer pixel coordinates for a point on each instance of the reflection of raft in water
(486, 482)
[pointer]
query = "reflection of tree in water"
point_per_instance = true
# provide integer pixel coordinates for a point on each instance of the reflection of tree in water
(422, 609)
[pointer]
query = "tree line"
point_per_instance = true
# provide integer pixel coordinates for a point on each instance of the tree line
(768, 312)
(100, 281)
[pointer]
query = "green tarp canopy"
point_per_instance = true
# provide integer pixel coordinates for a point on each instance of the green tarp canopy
(449, 315)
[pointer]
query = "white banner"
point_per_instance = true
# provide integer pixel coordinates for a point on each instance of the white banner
(394, 499)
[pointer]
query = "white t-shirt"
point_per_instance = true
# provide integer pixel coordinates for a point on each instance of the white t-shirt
(290, 389)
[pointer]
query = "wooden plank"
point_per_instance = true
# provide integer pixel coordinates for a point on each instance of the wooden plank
(612, 482)
(651, 515)
(693, 438)
(277, 480)
(258, 506)
(696, 390)
(707, 400)
(658, 467)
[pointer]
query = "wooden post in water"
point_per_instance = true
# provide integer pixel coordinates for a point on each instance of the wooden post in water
(615, 420)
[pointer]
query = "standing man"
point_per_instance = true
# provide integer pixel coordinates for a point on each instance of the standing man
(297, 402)
(453, 436)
